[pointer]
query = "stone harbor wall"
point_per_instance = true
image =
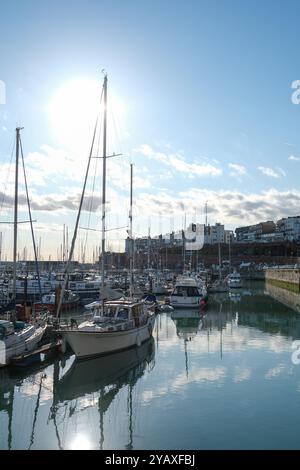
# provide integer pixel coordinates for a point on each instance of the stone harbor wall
(288, 278)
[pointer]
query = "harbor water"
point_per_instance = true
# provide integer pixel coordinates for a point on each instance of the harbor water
(224, 378)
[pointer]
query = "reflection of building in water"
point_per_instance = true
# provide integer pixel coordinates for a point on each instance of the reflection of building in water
(256, 311)
(105, 376)
(286, 297)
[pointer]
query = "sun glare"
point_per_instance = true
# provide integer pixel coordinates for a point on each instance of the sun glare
(80, 442)
(73, 110)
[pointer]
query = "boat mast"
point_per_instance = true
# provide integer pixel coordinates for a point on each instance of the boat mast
(220, 270)
(103, 186)
(229, 249)
(183, 241)
(16, 214)
(131, 235)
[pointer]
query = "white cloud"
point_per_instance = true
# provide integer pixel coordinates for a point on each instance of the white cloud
(294, 158)
(50, 162)
(178, 163)
(274, 173)
(237, 170)
(242, 374)
(289, 144)
(203, 169)
(233, 207)
(275, 371)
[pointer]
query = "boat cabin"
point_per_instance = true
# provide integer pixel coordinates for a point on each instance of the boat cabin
(6, 328)
(186, 287)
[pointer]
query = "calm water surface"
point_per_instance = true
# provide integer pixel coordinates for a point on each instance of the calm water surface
(223, 379)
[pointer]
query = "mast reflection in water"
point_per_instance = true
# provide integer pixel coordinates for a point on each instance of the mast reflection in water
(218, 379)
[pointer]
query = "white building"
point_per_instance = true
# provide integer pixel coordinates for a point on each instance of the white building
(289, 228)
(214, 234)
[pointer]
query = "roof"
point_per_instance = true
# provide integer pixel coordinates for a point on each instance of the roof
(5, 323)
(186, 281)
(124, 303)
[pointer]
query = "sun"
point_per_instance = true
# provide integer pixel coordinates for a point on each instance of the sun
(73, 110)
(80, 442)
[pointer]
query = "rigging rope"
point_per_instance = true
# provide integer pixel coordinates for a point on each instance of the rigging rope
(31, 224)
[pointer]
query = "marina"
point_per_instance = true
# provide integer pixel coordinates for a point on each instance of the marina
(209, 380)
(149, 229)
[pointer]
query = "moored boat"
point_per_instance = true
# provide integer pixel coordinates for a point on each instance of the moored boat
(116, 326)
(187, 293)
(18, 338)
(234, 280)
(50, 301)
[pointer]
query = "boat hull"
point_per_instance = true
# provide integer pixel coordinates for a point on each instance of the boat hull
(187, 302)
(22, 345)
(89, 344)
(38, 307)
(235, 285)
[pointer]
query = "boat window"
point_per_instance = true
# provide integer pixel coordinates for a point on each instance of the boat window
(180, 291)
(192, 291)
(135, 311)
(123, 313)
(72, 285)
(110, 312)
(6, 329)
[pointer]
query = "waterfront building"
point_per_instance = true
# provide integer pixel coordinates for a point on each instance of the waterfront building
(255, 233)
(289, 228)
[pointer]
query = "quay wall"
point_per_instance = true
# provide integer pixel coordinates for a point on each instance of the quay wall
(285, 296)
(287, 278)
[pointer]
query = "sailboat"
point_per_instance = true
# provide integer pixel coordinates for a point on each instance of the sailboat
(18, 338)
(116, 324)
(219, 285)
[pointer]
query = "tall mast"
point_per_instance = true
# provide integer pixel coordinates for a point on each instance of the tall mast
(104, 185)
(148, 254)
(16, 214)
(229, 249)
(183, 246)
(220, 270)
(131, 234)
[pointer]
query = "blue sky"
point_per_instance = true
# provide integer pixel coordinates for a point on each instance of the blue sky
(206, 110)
